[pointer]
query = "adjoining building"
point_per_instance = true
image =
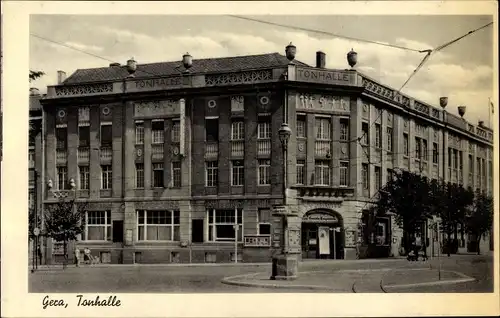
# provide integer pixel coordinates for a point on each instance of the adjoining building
(177, 159)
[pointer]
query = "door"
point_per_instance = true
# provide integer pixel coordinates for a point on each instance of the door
(309, 240)
(118, 231)
(197, 231)
(324, 241)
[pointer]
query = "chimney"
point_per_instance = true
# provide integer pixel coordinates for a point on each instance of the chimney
(61, 77)
(481, 123)
(320, 59)
(34, 91)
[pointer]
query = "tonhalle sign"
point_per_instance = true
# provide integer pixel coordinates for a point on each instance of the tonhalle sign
(324, 76)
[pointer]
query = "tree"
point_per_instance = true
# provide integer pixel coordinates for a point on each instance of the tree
(34, 75)
(64, 221)
(480, 219)
(34, 221)
(408, 197)
(455, 200)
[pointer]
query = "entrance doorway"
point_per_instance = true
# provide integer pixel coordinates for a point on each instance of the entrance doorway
(322, 236)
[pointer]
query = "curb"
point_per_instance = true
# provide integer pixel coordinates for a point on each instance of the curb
(464, 279)
(230, 281)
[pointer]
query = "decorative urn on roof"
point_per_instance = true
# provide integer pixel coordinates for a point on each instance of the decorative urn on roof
(290, 51)
(352, 58)
(461, 111)
(443, 102)
(187, 61)
(131, 66)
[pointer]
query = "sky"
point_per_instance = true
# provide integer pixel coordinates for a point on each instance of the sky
(463, 71)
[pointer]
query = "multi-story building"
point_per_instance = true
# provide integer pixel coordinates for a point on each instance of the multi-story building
(177, 160)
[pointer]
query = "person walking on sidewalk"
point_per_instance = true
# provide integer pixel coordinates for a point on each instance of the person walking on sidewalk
(77, 257)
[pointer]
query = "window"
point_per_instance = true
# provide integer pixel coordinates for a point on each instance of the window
(84, 116)
(418, 148)
(344, 173)
(435, 153)
(84, 136)
(237, 173)
(365, 134)
(378, 179)
(264, 130)
(378, 136)
(237, 130)
(139, 133)
(97, 226)
(158, 225)
(157, 175)
(322, 172)
(222, 225)
(460, 160)
(455, 159)
(425, 154)
(139, 175)
(478, 172)
(344, 129)
(301, 171)
(212, 175)
(389, 139)
(107, 177)
(264, 172)
(365, 176)
(450, 157)
(31, 158)
(61, 137)
(31, 199)
(390, 175)
(62, 178)
(106, 134)
(264, 221)
(323, 130)
(471, 165)
(158, 131)
(212, 129)
(176, 174)
(84, 177)
(405, 144)
(176, 131)
(301, 127)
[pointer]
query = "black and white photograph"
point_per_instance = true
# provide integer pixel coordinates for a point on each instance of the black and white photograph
(251, 152)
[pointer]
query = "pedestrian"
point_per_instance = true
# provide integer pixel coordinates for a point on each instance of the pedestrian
(39, 251)
(77, 257)
(86, 255)
(418, 244)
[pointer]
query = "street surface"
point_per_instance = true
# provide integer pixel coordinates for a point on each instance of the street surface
(207, 278)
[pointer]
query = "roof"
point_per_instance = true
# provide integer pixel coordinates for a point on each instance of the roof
(35, 103)
(210, 65)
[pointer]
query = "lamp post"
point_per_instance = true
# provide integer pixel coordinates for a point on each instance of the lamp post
(443, 102)
(281, 270)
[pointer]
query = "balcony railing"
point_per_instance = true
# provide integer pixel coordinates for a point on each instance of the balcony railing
(322, 148)
(83, 154)
(238, 148)
(211, 150)
(106, 153)
(61, 156)
(264, 147)
(157, 152)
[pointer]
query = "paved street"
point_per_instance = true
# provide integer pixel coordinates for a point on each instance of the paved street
(207, 279)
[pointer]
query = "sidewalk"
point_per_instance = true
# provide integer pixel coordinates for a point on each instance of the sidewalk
(354, 281)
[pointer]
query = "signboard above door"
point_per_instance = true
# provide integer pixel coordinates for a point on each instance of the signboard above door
(320, 217)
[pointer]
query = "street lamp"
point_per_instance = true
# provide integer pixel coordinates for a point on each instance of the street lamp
(284, 136)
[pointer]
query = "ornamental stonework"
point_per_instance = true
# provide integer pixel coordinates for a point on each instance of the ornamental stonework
(238, 78)
(85, 89)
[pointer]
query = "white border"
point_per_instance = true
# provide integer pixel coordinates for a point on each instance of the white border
(16, 301)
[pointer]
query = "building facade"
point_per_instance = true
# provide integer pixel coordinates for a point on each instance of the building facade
(180, 161)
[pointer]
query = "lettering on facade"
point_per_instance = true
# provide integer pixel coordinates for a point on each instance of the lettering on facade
(324, 76)
(324, 102)
(257, 241)
(156, 108)
(152, 84)
(319, 217)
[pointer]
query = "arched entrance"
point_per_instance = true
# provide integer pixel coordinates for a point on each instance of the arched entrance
(322, 235)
